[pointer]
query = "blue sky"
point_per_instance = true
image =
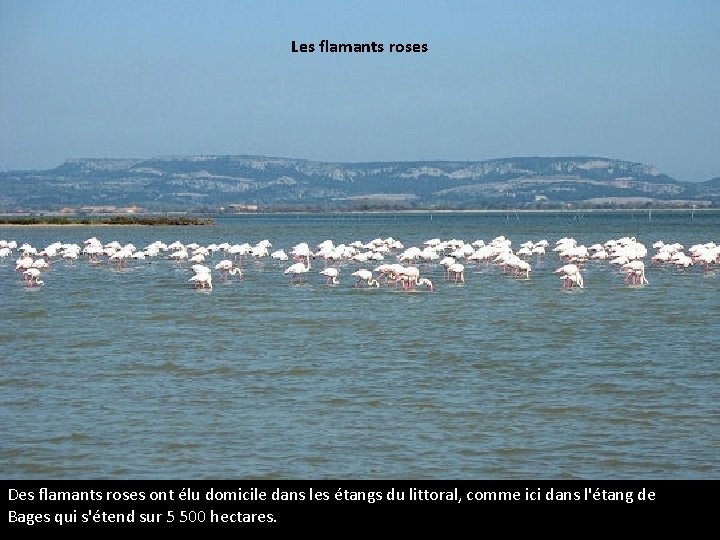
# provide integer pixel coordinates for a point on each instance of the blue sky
(635, 80)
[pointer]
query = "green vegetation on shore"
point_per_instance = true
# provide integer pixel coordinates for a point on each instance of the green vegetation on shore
(105, 220)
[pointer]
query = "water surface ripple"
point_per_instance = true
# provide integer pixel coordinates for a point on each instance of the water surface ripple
(129, 373)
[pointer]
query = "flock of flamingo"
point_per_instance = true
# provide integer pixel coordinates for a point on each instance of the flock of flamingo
(394, 265)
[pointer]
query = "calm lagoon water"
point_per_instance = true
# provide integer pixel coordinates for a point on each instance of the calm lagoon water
(130, 373)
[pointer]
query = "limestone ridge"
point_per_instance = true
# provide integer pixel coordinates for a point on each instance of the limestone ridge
(216, 181)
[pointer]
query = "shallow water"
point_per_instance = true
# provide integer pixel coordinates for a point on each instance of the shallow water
(130, 373)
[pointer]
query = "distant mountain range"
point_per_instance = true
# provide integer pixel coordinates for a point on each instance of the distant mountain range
(214, 183)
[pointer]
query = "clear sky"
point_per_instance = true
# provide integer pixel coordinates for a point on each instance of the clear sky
(629, 79)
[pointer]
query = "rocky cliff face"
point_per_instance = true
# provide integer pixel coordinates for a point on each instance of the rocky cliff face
(216, 181)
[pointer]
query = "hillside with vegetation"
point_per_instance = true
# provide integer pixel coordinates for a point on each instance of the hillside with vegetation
(222, 183)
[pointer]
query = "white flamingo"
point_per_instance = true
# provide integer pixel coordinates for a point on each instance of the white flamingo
(32, 277)
(365, 276)
(571, 276)
(202, 278)
(425, 282)
(179, 255)
(298, 270)
(523, 268)
(409, 276)
(458, 271)
(224, 266)
(331, 274)
(24, 262)
(635, 273)
(279, 255)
